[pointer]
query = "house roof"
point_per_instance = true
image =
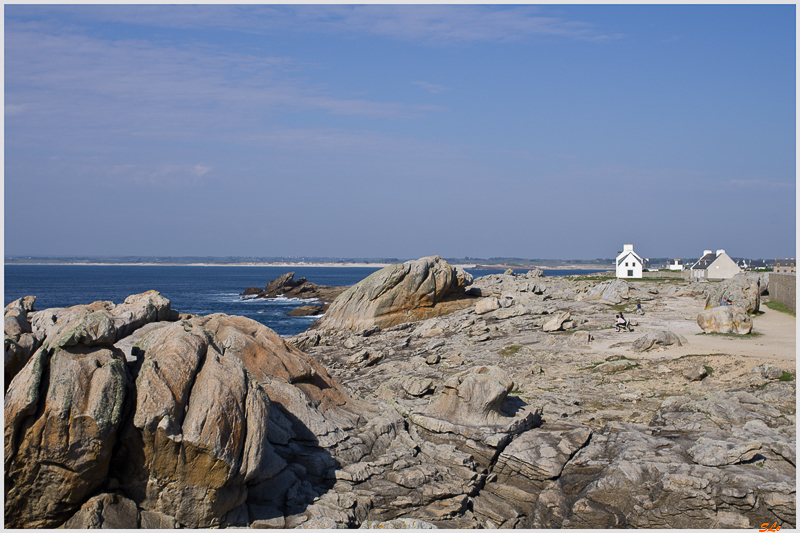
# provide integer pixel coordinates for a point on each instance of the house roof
(623, 257)
(703, 262)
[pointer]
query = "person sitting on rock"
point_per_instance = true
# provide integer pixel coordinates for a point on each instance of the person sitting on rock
(620, 321)
(724, 302)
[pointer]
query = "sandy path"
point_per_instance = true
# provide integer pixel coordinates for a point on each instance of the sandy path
(777, 339)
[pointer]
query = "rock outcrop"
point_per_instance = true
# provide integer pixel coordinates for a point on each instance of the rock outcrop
(725, 319)
(583, 438)
(62, 414)
(407, 292)
(614, 291)
(658, 338)
(309, 310)
(19, 341)
(743, 290)
(188, 424)
(472, 398)
(288, 287)
(557, 322)
(462, 420)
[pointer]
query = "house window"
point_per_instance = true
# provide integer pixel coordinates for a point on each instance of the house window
(626, 264)
(630, 273)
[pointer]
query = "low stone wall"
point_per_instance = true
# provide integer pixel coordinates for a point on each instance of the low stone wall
(782, 289)
(663, 274)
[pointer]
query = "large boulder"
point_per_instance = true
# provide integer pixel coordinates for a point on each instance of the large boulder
(557, 322)
(106, 511)
(473, 398)
(123, 319)
(475, 414)
(614, 291)
(198, 431)
(657, 338)
(744, 290)
(176, 424)
(407, 292)
(19, 341)
(487, 305)
(725, 319)
(138, 310)
(62, 415)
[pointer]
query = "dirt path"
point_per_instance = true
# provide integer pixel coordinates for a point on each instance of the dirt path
(776, 338)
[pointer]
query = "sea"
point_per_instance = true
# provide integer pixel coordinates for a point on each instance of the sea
(190, 289)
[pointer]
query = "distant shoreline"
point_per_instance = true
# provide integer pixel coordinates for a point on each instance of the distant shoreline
(291, 265)
(471, 266)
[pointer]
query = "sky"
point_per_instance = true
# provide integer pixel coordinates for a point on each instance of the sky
(552, 131)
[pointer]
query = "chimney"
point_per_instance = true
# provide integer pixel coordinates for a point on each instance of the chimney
(720, 252)
(627, 248)
(706, 252)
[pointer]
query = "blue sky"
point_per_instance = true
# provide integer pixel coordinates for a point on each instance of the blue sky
(550, 131)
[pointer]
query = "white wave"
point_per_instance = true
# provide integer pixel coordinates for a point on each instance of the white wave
(280, 300)
(284, 299)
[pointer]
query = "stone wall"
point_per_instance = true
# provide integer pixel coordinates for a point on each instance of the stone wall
(662, 274)
(782, 289)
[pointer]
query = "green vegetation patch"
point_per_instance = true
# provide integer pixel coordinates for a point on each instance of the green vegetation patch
(510, 350)
(590, 278)
(656, 280)
(786, 376)
(778, 306)
(700, 355)
(751, 335)
(645, 378)
(709, 370)
(629, 363)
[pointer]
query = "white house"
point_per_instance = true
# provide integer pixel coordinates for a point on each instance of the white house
(676, 264)
(629, 264)
(715, 266)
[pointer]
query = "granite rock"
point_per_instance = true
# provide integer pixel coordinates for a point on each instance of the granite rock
(725, 319)
(407, 292)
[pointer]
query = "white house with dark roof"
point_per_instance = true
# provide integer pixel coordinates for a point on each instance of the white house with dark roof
(629, 264)
(784, 266)
(715, 266)
(676, 264)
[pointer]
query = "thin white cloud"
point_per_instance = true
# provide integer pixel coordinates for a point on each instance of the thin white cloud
(424, 24)
(431, 87)
(761, 183)
(443, 23)
(153, 90)
(163, 175)
(15, 109)
(201, 170)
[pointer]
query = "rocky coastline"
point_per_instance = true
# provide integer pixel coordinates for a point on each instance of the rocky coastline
(287, 287)
(423, 398)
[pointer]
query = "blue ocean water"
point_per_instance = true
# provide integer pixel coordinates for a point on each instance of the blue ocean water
(191, 289)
